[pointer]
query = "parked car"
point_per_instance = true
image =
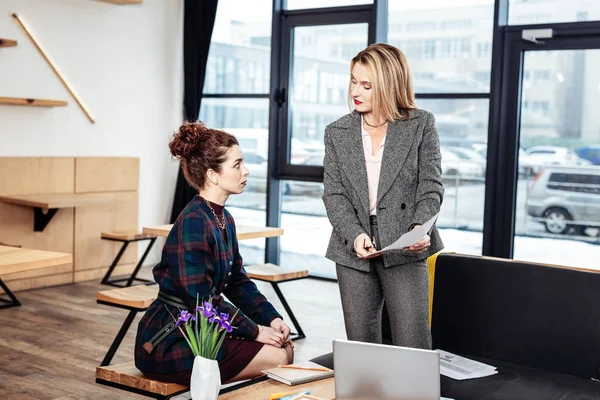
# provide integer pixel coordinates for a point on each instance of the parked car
(454, 167)
(470, 155)
(566, 199)
(547, 156)
(525, 164)
(590, 153)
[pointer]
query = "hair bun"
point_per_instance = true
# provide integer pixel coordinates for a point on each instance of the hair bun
(187, 140)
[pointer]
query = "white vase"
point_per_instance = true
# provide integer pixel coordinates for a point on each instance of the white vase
(206, 379)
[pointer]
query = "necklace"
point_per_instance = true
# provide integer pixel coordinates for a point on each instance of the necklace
(373, 126)
(221, 224)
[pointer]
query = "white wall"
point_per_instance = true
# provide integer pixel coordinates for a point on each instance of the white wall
(125, 63)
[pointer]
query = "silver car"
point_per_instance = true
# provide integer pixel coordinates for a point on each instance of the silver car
(566, 199)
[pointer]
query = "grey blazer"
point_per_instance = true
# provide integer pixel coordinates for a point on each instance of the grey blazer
(410, 187)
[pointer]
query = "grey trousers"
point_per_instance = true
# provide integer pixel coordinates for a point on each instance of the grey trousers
(405, 290)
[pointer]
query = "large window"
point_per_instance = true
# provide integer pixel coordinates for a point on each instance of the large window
(540, 151)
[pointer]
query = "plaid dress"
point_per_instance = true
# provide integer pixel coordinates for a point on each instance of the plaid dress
(198, 259)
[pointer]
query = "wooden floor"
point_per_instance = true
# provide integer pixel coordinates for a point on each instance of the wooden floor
(51, 345)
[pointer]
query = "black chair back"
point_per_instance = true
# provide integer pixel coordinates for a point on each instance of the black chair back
(531, 314)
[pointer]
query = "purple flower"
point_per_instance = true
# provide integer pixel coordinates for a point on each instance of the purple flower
(224, 323)
(184, 316)
(224, 317)
(214, 318)
(208, 310)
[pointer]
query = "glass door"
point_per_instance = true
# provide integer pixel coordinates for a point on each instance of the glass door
(554, 125)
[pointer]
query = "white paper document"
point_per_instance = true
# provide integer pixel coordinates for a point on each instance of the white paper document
(409, 238)
(461, 368)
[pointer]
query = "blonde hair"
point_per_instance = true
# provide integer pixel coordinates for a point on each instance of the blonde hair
(389, 72)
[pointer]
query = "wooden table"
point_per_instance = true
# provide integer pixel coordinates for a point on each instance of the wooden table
(46, 205)
(324, 388)
(14, 259)
(244, 232)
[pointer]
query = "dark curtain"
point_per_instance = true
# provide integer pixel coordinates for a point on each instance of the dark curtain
(198, 22)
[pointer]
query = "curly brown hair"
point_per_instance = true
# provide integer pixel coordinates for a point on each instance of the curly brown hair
(199, 149)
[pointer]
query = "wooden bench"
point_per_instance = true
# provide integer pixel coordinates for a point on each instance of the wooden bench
(127, 377)
(139, 298)
(275, 275)
(127, 237)
(14, 260)
(132, 298)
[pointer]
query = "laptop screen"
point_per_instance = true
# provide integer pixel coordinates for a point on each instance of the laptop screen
(367, 371)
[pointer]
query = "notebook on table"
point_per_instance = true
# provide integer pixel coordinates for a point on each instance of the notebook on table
(296, 376)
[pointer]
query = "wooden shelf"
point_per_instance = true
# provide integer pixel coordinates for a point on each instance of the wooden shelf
(7, 43)
(14, 101)
(49, 201)
(45, 206)
(123, 2)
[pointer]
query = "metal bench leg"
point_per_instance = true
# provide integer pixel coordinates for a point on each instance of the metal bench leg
(114, 264)
(176, 394)
(119, 338)
(139, 265)
(300, 333)
(13, 302)
(143, 392)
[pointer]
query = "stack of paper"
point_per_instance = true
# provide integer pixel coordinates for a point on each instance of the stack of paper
(461, 368)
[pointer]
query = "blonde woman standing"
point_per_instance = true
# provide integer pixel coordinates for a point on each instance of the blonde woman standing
(383, 177)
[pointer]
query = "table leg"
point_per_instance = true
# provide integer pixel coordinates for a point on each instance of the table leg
(139, 265)
(300, 333)
(13, 302)
(114, 264)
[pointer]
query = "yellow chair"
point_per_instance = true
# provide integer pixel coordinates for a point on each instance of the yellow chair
(431, 268)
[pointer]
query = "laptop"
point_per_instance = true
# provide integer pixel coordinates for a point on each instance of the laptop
(367, 371)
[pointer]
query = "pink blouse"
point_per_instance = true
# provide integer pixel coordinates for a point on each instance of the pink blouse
(373, 167)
